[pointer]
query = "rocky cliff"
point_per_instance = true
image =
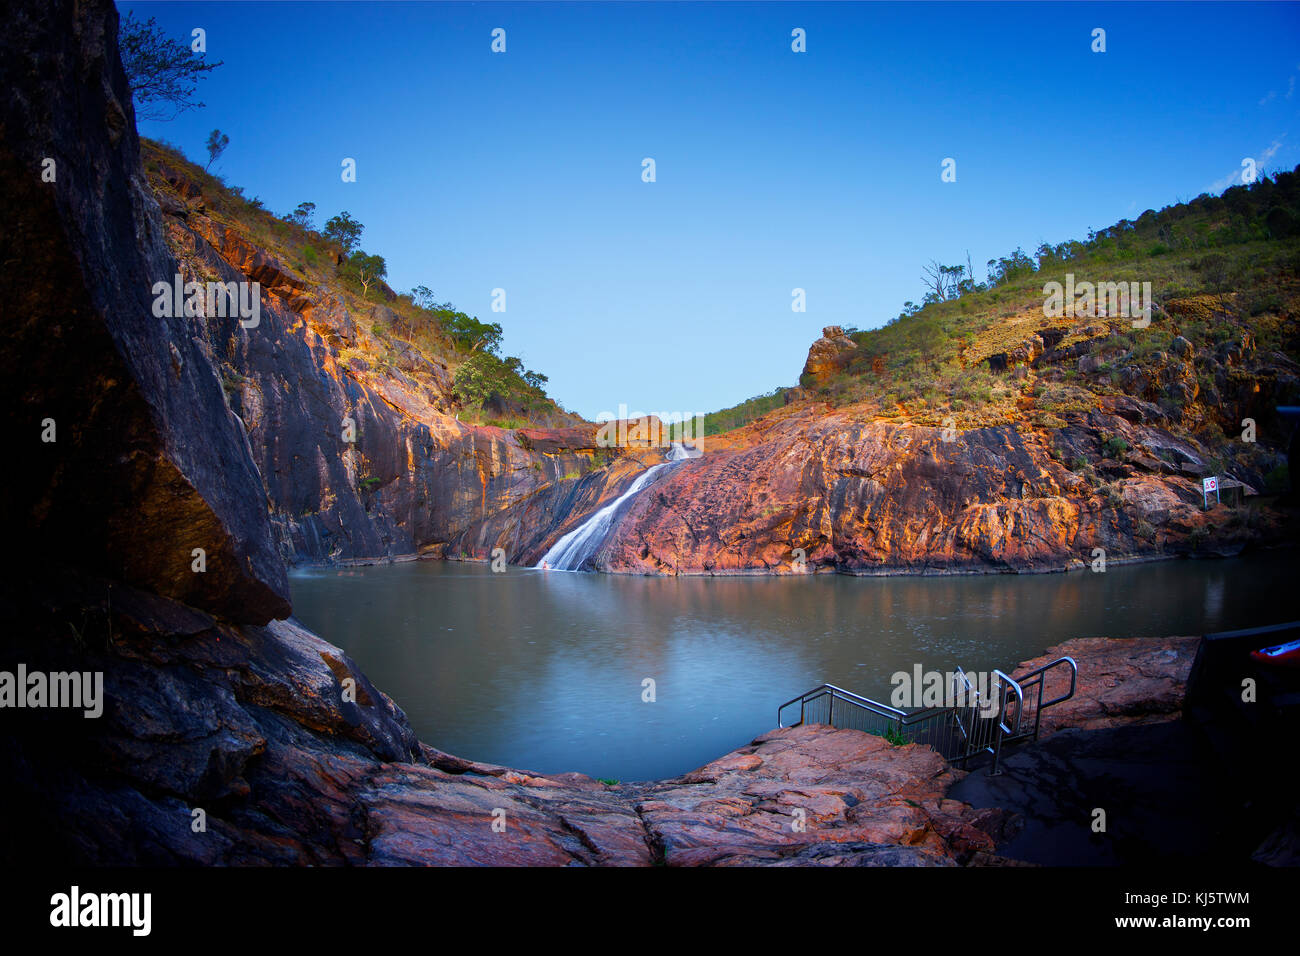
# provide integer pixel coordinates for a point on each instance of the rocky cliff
(230, 735)
(813, 488)
(127, 457)
(355, 428)
(1027, 445)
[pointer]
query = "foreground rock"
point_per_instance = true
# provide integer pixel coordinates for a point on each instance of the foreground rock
(1123, 746)
(288, 756)
(1120, 682)
(129, 458)
(291, 757)
(817, 795)
(1164, 802)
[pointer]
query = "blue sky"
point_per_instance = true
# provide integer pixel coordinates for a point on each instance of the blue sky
(775, 170)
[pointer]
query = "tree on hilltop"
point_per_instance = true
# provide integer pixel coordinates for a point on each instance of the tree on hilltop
(344, 230)
(302, 216)
(365, 269)
(217, 143)
(422, 296)
(943, 282)
(163, 74)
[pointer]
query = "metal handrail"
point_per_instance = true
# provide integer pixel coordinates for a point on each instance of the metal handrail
(1038, 677)
(884, 710)
(959, 729)
(803, 700)
(1006, 682)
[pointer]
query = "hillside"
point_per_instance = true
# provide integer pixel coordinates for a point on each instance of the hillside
(978, 432)
(1225, 277)
(972, 433)
(433, 342)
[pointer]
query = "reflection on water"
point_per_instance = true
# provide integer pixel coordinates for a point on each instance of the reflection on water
(544, 670)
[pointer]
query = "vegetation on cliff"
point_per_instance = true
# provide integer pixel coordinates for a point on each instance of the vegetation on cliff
(1223, 333)
(486, 386)
(1242, 247)
(988, 428)
(163, 73)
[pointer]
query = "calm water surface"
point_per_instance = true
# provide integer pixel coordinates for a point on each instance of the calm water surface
(544, 670)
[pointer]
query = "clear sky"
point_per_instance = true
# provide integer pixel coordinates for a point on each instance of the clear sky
(775, 170)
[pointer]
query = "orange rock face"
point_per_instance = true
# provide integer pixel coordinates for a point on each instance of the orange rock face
(872, 496)
(406, 477)
(1121, 681)
(814, 795)
(828, 355)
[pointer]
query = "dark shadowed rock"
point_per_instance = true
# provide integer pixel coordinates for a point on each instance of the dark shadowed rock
(149, 464)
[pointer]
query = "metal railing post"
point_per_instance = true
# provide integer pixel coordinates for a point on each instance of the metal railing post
(997, 744)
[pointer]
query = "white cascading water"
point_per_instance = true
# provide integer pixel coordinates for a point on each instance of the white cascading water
(569, 553)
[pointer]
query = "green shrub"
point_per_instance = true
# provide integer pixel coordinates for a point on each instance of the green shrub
(894, 734)
(1113, 447)
(1111, 494)
(1278, 481)
(747, 411)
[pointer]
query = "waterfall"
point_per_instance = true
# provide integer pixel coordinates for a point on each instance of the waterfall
(582, 543)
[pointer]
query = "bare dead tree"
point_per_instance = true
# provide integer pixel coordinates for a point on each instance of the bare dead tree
(935, 278)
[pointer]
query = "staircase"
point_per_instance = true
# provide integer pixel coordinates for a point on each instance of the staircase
(969, 724)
